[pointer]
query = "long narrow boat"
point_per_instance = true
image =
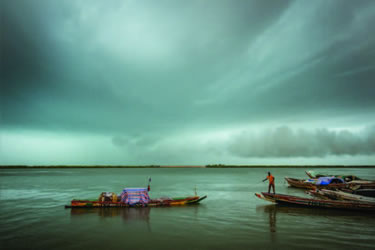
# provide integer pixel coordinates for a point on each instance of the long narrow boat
(316, 203)
(152, 203)
(311, 184)
(133, 197)
(339, 195)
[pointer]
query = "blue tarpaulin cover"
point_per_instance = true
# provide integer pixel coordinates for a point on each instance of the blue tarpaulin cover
(328, 180)
(134, 196)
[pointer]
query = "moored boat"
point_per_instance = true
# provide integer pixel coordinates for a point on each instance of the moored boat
(332, 182)
(312, 183)
(313, 175)
(339, 195)
(133, 197)
(316, 203)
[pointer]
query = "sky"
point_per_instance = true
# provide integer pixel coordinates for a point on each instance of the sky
(187, 82)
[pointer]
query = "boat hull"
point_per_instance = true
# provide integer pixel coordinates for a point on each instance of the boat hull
(152, 203)
(310, 185)
(363, 192)
(339, 195)
(317, 203)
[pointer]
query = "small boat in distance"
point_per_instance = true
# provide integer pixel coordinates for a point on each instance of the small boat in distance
(316, 203)
(133, 197)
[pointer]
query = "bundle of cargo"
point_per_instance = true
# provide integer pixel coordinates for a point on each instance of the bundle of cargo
(108, 196)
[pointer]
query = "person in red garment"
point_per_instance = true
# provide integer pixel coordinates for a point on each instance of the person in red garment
(271, 180)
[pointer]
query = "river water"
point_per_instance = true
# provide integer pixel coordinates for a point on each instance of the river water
(32, 213)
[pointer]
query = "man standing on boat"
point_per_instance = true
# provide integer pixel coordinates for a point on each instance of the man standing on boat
(271, 180)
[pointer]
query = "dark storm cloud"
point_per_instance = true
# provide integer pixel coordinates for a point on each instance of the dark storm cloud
(285, 142)
(327, 68)
(328, 88)
(58, 70)
(152, 75)
(23, 44)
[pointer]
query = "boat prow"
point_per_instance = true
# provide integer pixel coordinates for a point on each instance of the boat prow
(310, 174)
(200, 199)
(261, 196)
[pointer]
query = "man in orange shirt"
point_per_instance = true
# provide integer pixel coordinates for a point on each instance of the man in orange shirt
(271, 180)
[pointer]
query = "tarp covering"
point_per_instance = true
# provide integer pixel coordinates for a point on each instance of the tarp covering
(135, 196)
(329, 180)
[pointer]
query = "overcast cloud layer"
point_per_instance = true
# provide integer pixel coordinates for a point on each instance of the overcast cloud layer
(196, 82)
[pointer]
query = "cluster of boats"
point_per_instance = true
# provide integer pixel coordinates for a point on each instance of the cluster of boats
(329, 191)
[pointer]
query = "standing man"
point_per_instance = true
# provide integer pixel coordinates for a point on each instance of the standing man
(271, 180)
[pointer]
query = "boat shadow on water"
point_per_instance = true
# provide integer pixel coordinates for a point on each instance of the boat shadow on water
(127, 214)
(307, 211)
(274, 209)
(132, 215)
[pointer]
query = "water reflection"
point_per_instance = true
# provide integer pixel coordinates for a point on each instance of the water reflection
(272, 218)
(271, 211)
(307, 211)
(127, 214)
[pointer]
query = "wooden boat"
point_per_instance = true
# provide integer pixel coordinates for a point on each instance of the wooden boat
(316, 203)
(133, 197)
(311, 184)
(311, 174)
(339, 195)
(152, 203)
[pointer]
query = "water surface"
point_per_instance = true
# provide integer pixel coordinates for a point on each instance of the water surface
(32, 213)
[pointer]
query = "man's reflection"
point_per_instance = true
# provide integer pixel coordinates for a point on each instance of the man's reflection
(271, 210)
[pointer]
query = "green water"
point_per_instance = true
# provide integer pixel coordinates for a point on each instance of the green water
(32, 213)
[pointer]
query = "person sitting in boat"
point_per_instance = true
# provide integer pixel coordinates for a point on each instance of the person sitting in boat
(271, 180)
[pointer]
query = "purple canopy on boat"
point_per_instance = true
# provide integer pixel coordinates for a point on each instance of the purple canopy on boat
(135, 196)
